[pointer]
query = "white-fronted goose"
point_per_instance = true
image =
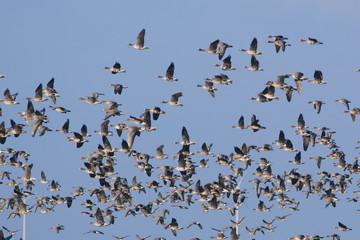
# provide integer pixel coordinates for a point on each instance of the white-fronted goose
(140, 41)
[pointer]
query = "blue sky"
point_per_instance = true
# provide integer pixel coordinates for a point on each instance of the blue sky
(73, 41)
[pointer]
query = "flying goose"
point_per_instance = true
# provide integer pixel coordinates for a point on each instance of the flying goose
(38, 95)
(169, 73)
(9, 98)
(226, 66)
(50, 91)
(311, 41)
(174, 99)
(118, 88)
(253, 48)
(254, 64)
(222, 49)
(318, 78)
(209, 86)
(116, 68)
(212, 48)
(140, 41)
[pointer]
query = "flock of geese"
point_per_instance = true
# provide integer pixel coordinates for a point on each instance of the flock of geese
(176, 185)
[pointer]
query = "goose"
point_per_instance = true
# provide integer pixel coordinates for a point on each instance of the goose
(301, 123)
(159, 153)
(104, 129)
(9, 98)
(99, 219)
(253, 48)
(173, 226)
(222, 49)
(185, 137)
(59, 109)
(311, 41)
(119, 128)
(38, 95)
(116, 68)
(254, 124)
(269, 92)
(344, 101)
(58, 227)
(209, 86)
(84, 131)
(288, 146)
(254, 64)
(279, 82)
(298, 78)
(65, 127)
(156, 111)
(288, 90)
(205, 150)
(353, 112)
(118, 88)
(169, 73)
(240, 124)
(221, 79)
(93, 99)
(140, 41)
(195, 223)
(317, 105)
(78, 138)
(318, 160)
(342, 227)
(174, 99)
(318, 78)
(50, 91)
(16, 129)
(212, 48)
(226, 66)
(133, 131)
(279, 44)
(260, 98)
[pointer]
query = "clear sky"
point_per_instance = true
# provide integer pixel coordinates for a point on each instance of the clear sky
(73, 40)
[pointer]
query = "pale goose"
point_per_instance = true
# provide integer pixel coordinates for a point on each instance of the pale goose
(169, 73)
(226, 66)
(212, 48)
(311, 41)
(253, 48)
(174, 99)
(255, 65)
(140, 41)
(116, 68)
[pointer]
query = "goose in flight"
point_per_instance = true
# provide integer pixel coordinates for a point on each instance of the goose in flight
(312, 41)
(38, 95)
(226, 66)
(317, 105)
(116, 68)
(78, 138)
(212, 48)
(140, 41)
(169, 73)
(9, 98)
(185, 138)
(255, 65)
(318, 78)
(209, 86)
(279, 42)
(222, 49)
(253, 48)
(118, 88)
(174, 99)
(50, 91)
